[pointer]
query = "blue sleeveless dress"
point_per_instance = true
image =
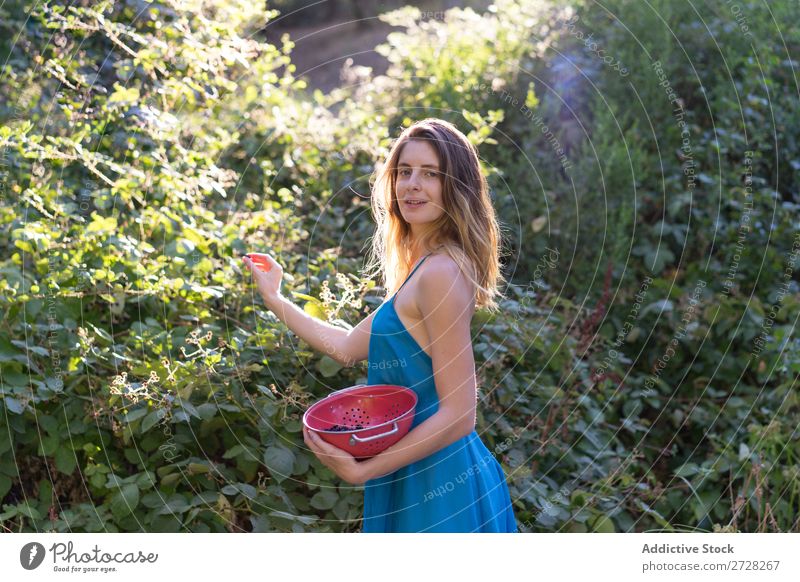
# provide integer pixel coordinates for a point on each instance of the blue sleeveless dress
(458, 489)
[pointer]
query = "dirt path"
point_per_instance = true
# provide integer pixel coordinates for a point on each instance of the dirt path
(320, 51)
(322, 48)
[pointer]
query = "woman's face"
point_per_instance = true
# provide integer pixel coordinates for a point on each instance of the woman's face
(419, 185)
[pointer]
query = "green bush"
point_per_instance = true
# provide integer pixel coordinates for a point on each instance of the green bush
(143, 386)
(631, 205)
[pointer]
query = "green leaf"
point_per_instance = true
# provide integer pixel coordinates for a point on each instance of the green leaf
(170, 480)
(7, 351)
(215, 292)
(9, 467)
(472, 118)
(248, 490)
(260, 524)
(324, 499)
(293, 425)
(100, 224)
(314, 308)
(135, 414)
(48, 445)
(12, 512)
(744, 451)
(305, 519)
(245, 489)
(279, 460)
(198, 468)
(29, 511)
(687, 470)
(234, 451)
(230, 489)
(656, 515)
(5, 485)
(301, 464)
(661, 306)
(188, 406)
(49, 424)
(35, 349)
(603, 524)
(152, 419)
(341, 509)
(65, 460)
(328, 367)
(5, 441)
(304, 296)
(14, 405)
(123, 96)
(176, 504)
(124, 501)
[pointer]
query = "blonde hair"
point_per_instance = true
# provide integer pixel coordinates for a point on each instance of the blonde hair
(467, 230)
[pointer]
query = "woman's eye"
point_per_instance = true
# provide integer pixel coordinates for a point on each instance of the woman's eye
(407, 172)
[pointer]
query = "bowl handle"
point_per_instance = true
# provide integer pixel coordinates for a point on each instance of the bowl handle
(357, 439)
(346, 389)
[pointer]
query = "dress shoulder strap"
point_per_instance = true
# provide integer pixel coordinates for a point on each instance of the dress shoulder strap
(414, 270)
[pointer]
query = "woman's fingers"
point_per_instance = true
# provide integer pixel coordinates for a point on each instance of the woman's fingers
(309, 440)
(325, 448)
(263, 261)
(258, 274)
(318, 446)
(272, 262)
(262, 266)
(315, 448)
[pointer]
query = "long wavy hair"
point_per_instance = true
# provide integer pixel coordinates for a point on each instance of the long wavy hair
(467, 230)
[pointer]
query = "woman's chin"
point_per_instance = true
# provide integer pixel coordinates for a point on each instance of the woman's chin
(412, 218)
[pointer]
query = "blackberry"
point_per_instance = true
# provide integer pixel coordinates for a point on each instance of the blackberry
(340, 428)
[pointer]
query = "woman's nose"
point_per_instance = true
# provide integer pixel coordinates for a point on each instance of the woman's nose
(413, 181)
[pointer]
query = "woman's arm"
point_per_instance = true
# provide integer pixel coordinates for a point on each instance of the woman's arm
(348, 347)
(447, 316)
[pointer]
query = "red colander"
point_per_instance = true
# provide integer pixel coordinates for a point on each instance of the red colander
(363, 420)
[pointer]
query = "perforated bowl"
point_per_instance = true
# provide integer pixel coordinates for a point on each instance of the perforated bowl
(383, 411)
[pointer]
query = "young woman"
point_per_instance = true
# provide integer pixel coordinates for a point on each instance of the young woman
(436, 246)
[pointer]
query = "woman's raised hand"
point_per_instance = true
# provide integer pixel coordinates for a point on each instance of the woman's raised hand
(267, 274)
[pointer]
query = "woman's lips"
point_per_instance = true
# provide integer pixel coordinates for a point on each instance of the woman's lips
(418, 204)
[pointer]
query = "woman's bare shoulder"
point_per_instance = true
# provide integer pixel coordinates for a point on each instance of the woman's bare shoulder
(442, 277)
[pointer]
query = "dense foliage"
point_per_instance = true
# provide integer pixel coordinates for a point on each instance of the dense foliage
(640, 375)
